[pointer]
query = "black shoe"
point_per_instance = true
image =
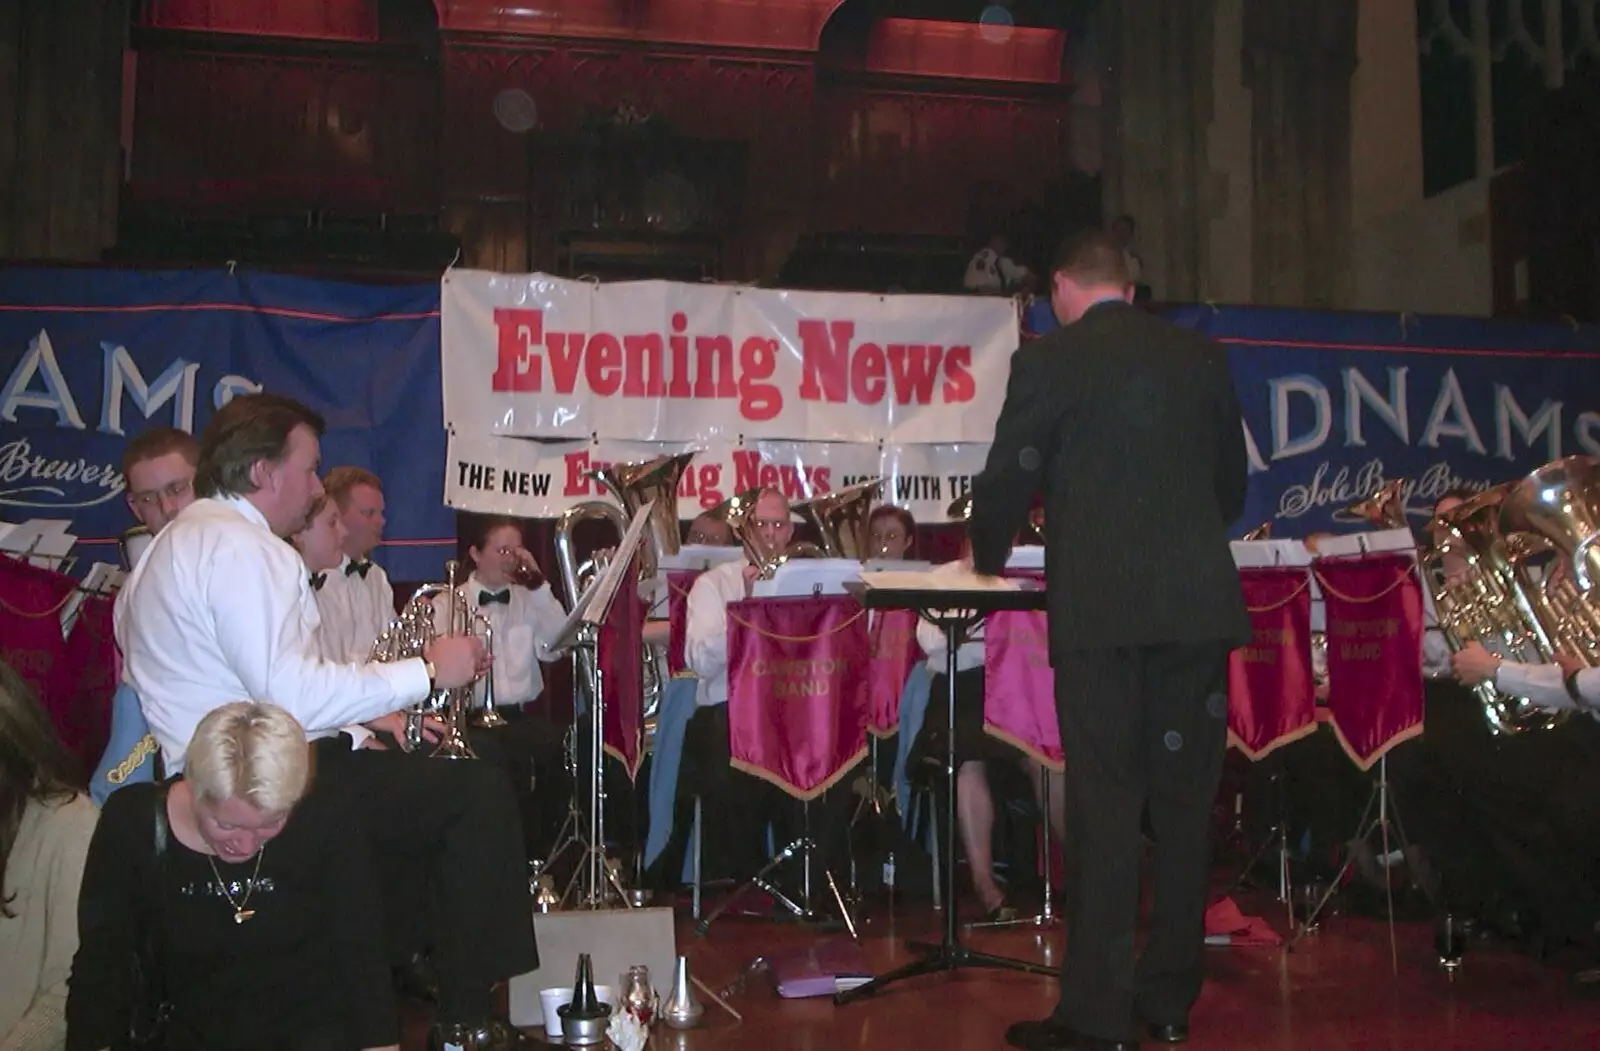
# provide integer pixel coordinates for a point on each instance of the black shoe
(414, 979)
(1047, 1034)
(1173, 1033)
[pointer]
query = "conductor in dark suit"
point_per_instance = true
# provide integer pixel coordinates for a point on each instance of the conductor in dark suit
(1130, 427)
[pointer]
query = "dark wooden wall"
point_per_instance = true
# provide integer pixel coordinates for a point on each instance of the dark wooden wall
(61, 71)
(777, 130)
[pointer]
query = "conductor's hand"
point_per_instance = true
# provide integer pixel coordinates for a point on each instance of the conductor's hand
(457, 660)
(1474, 664)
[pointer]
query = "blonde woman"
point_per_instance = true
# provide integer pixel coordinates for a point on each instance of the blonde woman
(45, 825)
(260, 916)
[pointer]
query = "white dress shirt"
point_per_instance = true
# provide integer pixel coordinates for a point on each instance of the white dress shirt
(705, 635)
(1546, 686)
(931, 637)
(219, 610)
(355, 610)
(525, 631)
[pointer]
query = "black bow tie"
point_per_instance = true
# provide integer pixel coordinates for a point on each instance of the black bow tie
(317, 580)
(488, 598)
(358, 567)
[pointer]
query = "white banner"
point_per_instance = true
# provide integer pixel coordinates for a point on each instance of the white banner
(541, 479)
(529, 355)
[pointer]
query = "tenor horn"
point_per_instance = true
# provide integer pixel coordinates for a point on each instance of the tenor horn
(408, 636)
(1384, 509)
(840, 518)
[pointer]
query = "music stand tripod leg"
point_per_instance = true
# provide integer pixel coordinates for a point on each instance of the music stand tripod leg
(949, 954)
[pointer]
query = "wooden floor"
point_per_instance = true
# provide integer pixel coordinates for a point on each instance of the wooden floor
(1336, 989)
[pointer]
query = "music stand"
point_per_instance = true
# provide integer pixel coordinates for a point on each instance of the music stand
(954, 612)
(581, 632)
(1380, 813)
(799, 578)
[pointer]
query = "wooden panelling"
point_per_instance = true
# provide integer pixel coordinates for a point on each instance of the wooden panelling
(314, 19)
(792, 25)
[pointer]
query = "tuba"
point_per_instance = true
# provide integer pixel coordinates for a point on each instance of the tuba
(633, 485)
(1492, 598)
(738, 511)
(1561, 503)
(840, 518)
(409, 635)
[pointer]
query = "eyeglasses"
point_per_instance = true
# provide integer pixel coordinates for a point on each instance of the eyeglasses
(504, 552)
(770, 523)
(171, 491)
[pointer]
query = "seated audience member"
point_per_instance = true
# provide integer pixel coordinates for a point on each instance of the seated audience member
(356, 600)
(220, 608)
(257, 911)
(158, 469)
(891, 533)
(45, 826)
(975, 750)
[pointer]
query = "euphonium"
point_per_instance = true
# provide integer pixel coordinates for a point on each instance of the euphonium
(409, 635)
(1491, 597)
(738, 511)
(840, 518)
(1386, 508)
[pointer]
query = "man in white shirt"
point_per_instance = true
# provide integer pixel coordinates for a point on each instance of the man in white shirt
(220, 608)
(158, 475)
(356, 600)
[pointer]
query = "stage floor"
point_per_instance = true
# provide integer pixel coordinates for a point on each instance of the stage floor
(1336, 989)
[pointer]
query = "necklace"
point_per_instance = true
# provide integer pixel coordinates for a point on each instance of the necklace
(240, 913)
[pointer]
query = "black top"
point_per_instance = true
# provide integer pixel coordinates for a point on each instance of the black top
(310, 961)
(1131, 428)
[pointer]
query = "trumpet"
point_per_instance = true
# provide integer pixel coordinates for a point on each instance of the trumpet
(1384, 509)
(1260, 532)
(408, 636)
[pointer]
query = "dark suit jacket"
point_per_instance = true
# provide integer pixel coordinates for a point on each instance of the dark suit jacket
(1131, 428)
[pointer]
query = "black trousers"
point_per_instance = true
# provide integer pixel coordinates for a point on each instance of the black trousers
(737, 808)
(448, 844)
(1141, 727)
(1508, 821)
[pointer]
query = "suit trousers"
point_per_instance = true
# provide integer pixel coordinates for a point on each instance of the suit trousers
(448, 844)
(1142, 727)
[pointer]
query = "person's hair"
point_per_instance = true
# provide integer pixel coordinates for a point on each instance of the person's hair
(342, 481)
(907, 523)
(247, 430)
(158, 442)
(34, 766)
(488, 524)
(1092, 258)
(251, 751)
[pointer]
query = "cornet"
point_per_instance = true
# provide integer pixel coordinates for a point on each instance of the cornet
(739, 512)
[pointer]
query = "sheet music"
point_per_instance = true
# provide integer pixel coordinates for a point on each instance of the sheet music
(1028, 556)
(700, 556)
(949, 580)
(809, 576)
(102, 579)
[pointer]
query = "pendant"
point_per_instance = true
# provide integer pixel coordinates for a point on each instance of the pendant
(241, 915)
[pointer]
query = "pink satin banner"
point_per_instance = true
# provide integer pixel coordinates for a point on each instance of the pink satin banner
(621, 646)
(679, 581)
(1271, 696)
(797, 690)
(92, 666)
(1019, 687)
(895, 652)
(31, 600)
(1374, 613)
